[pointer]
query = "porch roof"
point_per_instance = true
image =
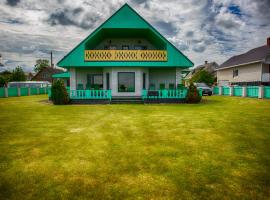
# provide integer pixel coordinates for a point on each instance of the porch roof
(62, 75)
(128, 21)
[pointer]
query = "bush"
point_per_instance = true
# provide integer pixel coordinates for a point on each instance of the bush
(193, 95)
(59, 93)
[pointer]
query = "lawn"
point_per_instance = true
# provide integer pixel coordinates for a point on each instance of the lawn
(219, 149)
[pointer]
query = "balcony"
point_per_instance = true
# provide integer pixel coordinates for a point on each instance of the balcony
(126, 55)
(266, 77)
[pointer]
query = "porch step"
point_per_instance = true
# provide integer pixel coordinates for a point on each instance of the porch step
(126, 100)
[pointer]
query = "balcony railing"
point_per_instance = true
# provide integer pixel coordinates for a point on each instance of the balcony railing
(125, 55)
(266, 77)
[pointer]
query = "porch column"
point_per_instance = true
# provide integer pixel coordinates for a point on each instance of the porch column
(72, 79)
(178, 76)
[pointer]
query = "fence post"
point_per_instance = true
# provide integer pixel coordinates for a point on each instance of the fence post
(45, 90)
(38, 90)
(220, 90)
(18, 91)
(231, 91)
(261, 92)
(244, 91)
(6, 92)
(29, 91)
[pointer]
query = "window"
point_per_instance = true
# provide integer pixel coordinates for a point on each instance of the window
(235, 72)
(140, 47)
(110, 47)
(125, 47)
(126, 81)
(94, 81)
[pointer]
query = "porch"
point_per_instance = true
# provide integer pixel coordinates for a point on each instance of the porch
(147, 84)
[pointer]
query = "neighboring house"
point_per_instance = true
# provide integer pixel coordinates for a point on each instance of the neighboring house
(29, 76)
(46, 74)
(207, 66)
(125, 55)
(250, 68)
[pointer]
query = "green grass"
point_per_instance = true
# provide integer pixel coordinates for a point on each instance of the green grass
(219, 149)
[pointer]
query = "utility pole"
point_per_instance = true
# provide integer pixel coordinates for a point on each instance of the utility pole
(51, 60)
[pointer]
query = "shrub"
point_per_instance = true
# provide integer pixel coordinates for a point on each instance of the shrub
(59, 93)
(193, 95)
(203, 76)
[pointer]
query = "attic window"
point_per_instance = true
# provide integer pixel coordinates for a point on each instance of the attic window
(235, 72)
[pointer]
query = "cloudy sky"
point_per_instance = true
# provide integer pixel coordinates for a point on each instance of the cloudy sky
(210, 30)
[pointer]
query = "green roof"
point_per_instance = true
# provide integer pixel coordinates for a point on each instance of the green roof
(62, 75)
(125, 22)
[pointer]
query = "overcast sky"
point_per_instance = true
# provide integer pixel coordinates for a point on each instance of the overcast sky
(210, 30)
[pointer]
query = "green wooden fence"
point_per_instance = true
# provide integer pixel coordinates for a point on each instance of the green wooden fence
(226, 91)
(12, 92)
(24, 91)
(15, 92)
(253, 91)
(237, 91)
(267, 92)
(216, 90)
(2, 92)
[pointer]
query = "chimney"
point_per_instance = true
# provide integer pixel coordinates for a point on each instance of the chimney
(205, 62)
(51, 60)
(268, 41)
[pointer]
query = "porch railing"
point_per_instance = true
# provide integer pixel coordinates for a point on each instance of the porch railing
(90, 94)
(167, 94)
(125, 55)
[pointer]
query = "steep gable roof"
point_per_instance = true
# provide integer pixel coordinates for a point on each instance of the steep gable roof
(253, 55)
(125, 18)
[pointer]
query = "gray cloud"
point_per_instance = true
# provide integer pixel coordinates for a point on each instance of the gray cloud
(71, 17)
(12, 2)
(166, 28)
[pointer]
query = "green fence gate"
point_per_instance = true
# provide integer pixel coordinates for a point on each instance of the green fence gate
(267, 92)
(226, 91)
(237, 91)
(216, 90)
(253, 91)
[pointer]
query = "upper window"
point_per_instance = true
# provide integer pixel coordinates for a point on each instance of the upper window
(125, 47)
(235, 72)
(140, 47)
(110, 47)
(126, 81)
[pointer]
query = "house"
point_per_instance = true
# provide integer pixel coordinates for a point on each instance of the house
(250, 68)
(125, 57)
(46, 74)
(207, 66)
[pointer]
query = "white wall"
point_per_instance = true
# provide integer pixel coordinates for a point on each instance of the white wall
(246, 73)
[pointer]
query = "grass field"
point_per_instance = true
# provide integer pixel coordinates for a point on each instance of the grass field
(219, 149)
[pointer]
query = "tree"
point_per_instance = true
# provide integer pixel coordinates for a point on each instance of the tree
(203, 76)
(59, 93)
(193, 95)
(18, 74)
(41, 64)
